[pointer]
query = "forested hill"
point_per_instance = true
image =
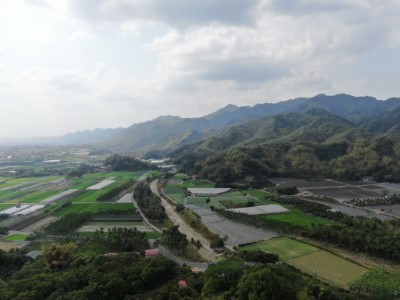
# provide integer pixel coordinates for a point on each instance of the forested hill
(170, 132)
(309, 144)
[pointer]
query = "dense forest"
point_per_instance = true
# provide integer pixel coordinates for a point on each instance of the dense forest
(126, 163)
(313, 144)
(80, 271)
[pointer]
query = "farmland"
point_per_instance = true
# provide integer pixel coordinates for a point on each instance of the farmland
(338, 190)
(176, 189)
(329, 267)
(286, 248)
(313, 261)
(92, 179)
(35, 197)
(223, 201)
(24, 196)
(295, 216)
(299, 218)
(90, 207)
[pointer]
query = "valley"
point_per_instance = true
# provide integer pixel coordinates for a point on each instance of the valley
(301, 191)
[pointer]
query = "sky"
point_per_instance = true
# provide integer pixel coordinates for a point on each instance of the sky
(69, 65)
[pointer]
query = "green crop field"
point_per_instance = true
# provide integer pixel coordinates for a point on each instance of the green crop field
(286, 248)
(90, 207)
(92, 195)
(329, 267)
(15, 237)
(35, 197)
(13, 182)
(4, 206)
(177, 197)
(234, 198)
(262, 196)
(91, 179)
(180, 176)
(199, 183)
(177, 191)
(296, 216)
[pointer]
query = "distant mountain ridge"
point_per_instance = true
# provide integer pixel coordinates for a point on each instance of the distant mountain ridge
(167, 133)
(310, 144)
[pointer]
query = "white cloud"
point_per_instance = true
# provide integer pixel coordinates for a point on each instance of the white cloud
(208, 54)
(178, 13)
(81, 35)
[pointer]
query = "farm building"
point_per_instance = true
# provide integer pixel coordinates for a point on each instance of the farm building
(207, 191)
(261, 210)
(151, 252)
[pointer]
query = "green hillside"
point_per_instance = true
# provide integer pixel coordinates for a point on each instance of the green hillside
(312, 144)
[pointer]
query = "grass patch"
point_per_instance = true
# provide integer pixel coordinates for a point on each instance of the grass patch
(329, 267)
(16, 237)
(153, 235)
(286, 248)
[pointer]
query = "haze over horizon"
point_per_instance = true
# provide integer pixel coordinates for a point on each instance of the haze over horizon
(69, 65)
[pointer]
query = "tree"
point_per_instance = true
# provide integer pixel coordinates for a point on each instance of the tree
(59, 256)
(222, 276)
(175, 239)
(263, 282)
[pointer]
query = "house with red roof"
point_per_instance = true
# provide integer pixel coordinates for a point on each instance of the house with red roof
(151, 252)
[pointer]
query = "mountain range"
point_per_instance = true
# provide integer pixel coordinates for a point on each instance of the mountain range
(168, 133)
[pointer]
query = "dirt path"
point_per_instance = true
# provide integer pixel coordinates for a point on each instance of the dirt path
(205, 252)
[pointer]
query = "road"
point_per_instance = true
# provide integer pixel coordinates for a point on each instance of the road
(205, 252)
(196, 265)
